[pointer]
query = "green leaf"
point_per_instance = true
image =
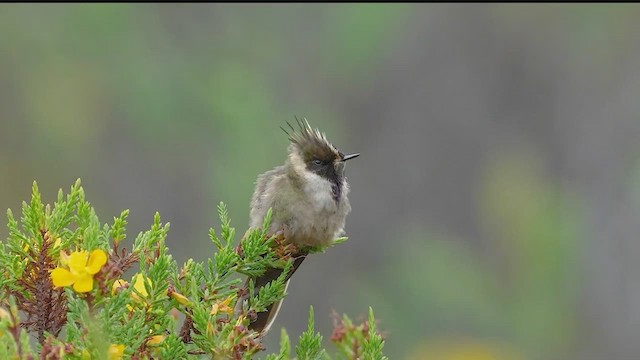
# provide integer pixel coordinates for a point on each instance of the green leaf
(372, 348)
(310, 343)
(117, 232)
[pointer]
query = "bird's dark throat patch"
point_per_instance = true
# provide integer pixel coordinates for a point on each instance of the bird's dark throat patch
(326, 169)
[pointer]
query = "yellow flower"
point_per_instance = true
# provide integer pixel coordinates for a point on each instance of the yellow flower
(117, 285)
(82, 267)
(116, 352)
(156, 340)
(180, 298)
(222, 307)
(138, 284)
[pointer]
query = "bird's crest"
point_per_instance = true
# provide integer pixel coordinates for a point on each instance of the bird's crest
(311, 142)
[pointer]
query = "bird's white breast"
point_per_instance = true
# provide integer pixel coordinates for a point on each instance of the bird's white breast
(318, 190)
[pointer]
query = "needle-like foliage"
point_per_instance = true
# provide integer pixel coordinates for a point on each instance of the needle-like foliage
(64, 284)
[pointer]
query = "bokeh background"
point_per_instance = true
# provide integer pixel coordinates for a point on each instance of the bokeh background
(496, 204)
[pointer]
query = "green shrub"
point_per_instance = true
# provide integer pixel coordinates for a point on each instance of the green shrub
(63, 284)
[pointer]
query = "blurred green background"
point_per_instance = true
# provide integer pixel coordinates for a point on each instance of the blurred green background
(495, 204)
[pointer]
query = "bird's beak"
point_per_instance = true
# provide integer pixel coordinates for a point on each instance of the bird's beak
(350, 156)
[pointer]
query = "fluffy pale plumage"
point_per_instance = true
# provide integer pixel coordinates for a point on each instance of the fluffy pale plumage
(308, 198)
(302, 201)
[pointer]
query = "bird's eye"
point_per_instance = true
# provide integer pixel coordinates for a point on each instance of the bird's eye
(317, 162)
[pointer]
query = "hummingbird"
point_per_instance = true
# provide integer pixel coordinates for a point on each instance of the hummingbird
(308, 200)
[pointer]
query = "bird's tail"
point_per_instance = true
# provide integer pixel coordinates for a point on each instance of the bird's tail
(265, 319)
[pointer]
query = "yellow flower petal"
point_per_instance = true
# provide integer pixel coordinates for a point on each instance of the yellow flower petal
(226, 301)
(78, 261)
(96, 261)
(214, 309)
(116, 352)
(138, 284)
(226, 310)
(62, 277)
(181, 298)
(83, 284)
(64, 258)
(156, 340)
(117, 285)
(222, 307)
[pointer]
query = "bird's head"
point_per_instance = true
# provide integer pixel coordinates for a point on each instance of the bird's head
(310, 151)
